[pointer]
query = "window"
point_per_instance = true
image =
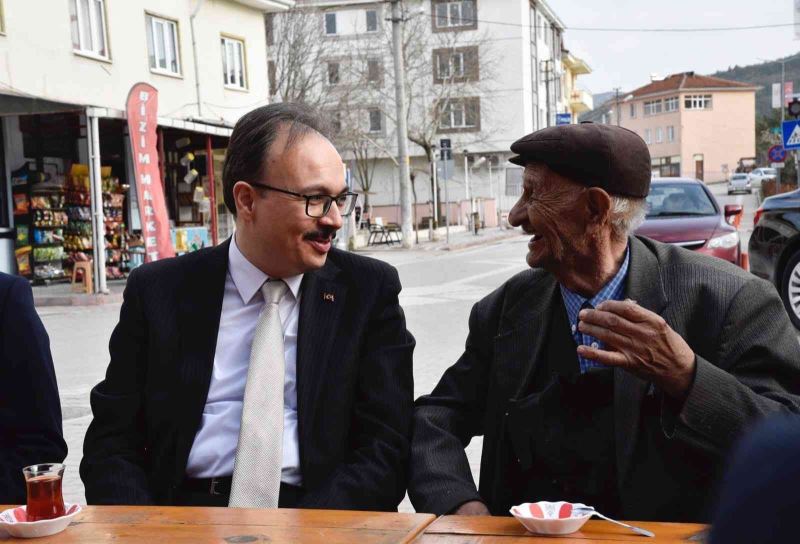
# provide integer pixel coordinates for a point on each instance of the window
(374, 70)
(330, 23)
(697, 102)
(633, 110)
(453, 14)
(459, 114)
(372, 20)
(458, 65)
(659, 135)
(233, 67)
(269, 27)
(648, 138)
(162, 45)
(671, 104)
(333, 73)
(88, 21)
(375, 120)
(670, 134)
(652, 107)
(273, 77)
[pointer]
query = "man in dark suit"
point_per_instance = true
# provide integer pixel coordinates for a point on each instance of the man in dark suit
(210, 399)
(30, 411)
(617, 371)
(759, 499)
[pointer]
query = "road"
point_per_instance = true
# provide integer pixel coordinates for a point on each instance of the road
(439, 289)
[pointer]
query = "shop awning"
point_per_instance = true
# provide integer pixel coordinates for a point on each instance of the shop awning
(19, 104)
(192, 126)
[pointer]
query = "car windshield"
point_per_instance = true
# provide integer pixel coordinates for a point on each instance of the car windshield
(678, 199)
(739, 177)
(769, 171)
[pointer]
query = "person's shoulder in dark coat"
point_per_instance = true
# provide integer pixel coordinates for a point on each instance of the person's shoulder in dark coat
(30, 411)
(759, 498)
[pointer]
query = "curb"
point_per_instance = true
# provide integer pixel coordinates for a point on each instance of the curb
(477, 242)
(76, 300)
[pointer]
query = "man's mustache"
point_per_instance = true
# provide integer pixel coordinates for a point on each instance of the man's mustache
(326, 233)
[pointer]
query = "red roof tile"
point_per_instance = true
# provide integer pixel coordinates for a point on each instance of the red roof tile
(688, 81)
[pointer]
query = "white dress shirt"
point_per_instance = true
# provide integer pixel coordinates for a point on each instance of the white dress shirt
(214, 449)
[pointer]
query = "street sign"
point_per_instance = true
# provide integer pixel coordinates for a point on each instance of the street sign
(563, 118)
(776, 153)
(777, 165)
(791, 134)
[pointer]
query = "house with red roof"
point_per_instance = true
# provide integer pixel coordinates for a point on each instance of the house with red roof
(695, 126)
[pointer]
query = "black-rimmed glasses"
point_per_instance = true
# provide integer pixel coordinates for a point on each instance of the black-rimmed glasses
(319, 205)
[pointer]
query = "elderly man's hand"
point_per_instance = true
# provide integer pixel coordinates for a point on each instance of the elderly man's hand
(641, 342)
(472, 508)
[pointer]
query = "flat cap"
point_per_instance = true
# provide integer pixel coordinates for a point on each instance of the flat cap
(606, 156)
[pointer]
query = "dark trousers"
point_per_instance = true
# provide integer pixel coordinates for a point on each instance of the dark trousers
(198, 492)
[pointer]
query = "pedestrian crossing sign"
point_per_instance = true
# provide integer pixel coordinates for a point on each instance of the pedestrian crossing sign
(791, 134)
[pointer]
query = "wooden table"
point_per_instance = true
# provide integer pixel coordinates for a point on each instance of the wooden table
(507, 530)
(152, 524)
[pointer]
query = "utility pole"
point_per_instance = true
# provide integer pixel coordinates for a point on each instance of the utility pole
(616, 101)
(547, 80)
(402, 125)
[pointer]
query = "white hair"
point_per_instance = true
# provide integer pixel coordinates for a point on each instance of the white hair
(627, 215)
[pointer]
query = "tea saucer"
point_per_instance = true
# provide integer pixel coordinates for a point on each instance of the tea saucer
(550, 518)
(13, 522)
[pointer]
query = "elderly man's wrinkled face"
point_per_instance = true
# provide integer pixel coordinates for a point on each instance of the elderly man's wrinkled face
(551, 208)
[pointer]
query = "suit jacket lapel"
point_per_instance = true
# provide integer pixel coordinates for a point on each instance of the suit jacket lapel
(645, 287)
(322, 303)
(519, 348)
(199, 310)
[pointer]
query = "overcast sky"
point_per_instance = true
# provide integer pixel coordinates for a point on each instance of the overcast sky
(626, 59)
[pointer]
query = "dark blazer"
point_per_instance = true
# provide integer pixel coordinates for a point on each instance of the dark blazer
(760, 500)
(748, 365)
(30, 411)
(354, 383)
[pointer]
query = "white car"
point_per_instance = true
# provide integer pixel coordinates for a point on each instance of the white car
(739, 183)
(760, 174)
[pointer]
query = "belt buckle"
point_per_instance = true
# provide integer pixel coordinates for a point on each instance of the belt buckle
(213, 488)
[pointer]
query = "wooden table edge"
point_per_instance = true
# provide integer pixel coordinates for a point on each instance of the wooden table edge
(420, 529)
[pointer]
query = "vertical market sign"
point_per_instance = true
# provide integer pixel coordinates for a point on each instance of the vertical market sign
(142, 109)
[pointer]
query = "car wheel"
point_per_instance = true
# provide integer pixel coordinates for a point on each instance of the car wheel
(790, 289)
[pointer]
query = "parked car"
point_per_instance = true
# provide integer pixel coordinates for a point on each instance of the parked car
(759, 175)
(775, 248)
(682, 211)
(739, 183)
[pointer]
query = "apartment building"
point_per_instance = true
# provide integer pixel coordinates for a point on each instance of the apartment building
(66, 70)
(695, 126)
(481, 73)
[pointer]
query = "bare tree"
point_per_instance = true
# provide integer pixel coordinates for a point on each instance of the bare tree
(298, 72)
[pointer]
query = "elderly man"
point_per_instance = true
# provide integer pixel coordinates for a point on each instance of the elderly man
(617, 371)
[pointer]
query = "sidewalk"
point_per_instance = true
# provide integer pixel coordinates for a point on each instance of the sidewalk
(458, 240)
(61, 294)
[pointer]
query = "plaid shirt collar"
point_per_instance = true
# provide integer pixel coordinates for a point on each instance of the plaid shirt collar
(613, 290)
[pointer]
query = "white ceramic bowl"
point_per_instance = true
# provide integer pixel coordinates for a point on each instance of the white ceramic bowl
(13, 522)
(549, 518)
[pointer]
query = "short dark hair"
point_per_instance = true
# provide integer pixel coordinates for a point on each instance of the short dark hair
(253, 135)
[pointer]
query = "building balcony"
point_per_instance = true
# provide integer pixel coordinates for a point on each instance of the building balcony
(580, 101)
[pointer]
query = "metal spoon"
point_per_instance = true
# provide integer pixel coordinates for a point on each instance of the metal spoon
(637, 530)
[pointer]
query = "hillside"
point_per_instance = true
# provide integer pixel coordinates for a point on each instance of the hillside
(764, 75)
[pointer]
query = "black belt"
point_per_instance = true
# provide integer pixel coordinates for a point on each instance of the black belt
(290, 495)
(213, 486)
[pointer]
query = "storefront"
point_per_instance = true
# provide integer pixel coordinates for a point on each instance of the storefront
(68, 193)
